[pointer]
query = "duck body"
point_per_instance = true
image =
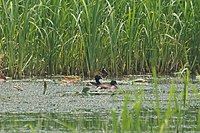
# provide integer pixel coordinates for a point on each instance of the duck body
(101, 74)
(97, 83)
(112, 87)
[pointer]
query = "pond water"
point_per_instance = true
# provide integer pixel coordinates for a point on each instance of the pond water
(63, 109)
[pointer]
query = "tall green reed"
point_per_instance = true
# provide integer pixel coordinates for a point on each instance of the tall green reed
(79, 37)
(91, 19)
(8, 30)
(130, 115)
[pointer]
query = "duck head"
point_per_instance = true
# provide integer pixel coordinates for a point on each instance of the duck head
(113, 85)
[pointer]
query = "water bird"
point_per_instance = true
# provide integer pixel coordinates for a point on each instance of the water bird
(97, 83)
(112, 87)
(101, 74)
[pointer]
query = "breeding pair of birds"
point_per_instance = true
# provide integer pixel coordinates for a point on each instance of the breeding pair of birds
(104, 87)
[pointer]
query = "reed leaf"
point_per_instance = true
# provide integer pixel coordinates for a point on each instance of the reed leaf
(81, 36)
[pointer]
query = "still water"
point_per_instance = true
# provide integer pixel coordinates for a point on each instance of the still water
(90, 122)
(61, 109)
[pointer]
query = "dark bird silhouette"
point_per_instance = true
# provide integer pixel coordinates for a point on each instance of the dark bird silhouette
(97, 83)
(108, 87)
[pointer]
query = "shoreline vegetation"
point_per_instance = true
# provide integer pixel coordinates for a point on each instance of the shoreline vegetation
(58, 37)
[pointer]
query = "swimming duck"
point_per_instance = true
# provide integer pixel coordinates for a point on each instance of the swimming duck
(97, 83)
(108, 87)
(101, 74)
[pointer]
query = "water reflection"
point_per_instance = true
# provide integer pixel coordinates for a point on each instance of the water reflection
(91, 122)
(37, 122)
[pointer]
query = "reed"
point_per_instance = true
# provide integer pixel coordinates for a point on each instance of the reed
(170, 118)
(79, 37)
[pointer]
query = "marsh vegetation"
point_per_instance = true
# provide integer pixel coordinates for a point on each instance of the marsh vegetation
(79, 37)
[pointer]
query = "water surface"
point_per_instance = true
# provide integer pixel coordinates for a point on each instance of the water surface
(63, 109)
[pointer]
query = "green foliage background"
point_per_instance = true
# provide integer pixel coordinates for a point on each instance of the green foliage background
(81, 36)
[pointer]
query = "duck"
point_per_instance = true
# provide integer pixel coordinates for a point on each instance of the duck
(112, 87)
(97, 83)
(101, 74)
